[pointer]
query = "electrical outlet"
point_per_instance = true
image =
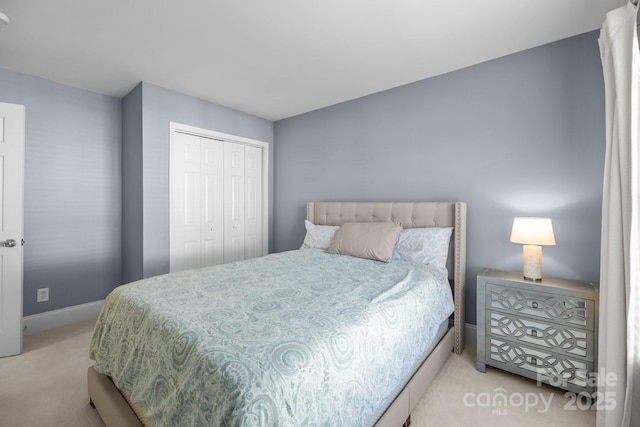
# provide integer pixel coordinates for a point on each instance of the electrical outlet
(43, 294)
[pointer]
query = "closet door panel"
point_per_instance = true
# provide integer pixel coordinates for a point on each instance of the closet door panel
(212, 196)
(191, 255)
(186, 215)
(253, 202)
(233, 202)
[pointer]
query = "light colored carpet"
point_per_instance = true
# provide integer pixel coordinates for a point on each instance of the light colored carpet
(462, 396)
(46, 386)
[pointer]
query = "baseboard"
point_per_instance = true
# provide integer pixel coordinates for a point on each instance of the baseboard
(470, 335)
(56, 318)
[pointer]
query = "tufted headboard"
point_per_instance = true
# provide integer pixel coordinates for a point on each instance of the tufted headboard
(411, 215)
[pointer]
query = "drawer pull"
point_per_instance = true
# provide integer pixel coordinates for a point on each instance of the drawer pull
(534, 304)
(534, 361)
(534, 333)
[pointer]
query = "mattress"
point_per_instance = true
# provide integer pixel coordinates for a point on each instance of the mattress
(295, 338)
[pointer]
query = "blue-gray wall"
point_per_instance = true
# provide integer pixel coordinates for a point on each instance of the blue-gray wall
(521, 135)
(150, 173)
(72, 191)
(132, 188)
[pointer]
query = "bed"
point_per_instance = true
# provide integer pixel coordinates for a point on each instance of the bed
(274, 371)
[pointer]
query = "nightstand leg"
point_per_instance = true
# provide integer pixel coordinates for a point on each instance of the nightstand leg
(481, 367)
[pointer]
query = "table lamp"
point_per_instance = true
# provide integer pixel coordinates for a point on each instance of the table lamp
(532, 232)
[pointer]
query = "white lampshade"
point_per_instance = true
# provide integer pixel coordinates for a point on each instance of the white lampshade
(4, 19)
(532, 231)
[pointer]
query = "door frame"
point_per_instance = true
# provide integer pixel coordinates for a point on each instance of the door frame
(175, 128)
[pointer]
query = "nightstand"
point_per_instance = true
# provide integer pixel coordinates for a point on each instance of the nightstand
(545, 330)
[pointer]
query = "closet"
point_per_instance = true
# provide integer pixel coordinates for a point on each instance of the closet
(217, 200)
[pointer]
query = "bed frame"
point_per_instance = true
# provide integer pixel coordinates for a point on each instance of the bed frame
(115, 411)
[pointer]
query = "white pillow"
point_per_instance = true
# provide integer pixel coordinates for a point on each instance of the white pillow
(424, 245)
(318, 236)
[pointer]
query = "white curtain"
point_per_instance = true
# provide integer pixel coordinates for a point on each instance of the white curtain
(619, 333)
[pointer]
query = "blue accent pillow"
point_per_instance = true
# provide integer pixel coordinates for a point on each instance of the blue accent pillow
(424, 246)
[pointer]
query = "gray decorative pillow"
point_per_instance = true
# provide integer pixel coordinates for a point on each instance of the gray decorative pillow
(424, 245)
(318, 236)
(372, 240)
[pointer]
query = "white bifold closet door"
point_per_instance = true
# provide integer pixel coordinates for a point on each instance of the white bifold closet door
(216, 212)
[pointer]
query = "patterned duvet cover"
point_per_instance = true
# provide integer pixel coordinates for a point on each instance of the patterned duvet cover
(300, 338)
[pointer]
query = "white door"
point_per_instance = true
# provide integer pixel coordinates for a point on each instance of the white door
(217, 197)
(185, 204)
(253, 201)
(12, 130)
(233, 202)
(197, 202)
(212, 197)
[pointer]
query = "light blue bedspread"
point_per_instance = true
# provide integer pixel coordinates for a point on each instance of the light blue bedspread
(300, 338)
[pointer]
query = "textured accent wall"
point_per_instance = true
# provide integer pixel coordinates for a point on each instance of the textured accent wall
(521, 135)
(72, 191)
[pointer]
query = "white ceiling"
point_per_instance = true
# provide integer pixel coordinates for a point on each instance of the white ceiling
(275, 58)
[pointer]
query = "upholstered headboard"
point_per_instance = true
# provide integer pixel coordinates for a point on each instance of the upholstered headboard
(411, 215)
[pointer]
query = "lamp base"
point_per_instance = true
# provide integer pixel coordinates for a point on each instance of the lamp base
(532, 262)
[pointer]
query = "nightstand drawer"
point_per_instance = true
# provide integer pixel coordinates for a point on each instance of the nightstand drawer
(561, 309)
(569, 341)
(566, 372)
